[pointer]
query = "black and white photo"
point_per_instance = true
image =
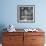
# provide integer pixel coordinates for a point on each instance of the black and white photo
(26, 13)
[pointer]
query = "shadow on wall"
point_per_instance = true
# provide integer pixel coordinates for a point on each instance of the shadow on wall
(2, 26)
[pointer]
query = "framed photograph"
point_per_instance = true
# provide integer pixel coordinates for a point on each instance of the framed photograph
(26, 13)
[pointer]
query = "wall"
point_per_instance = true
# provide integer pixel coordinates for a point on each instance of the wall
(9, 13)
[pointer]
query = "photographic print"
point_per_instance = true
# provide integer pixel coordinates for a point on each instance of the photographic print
(26, 13)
